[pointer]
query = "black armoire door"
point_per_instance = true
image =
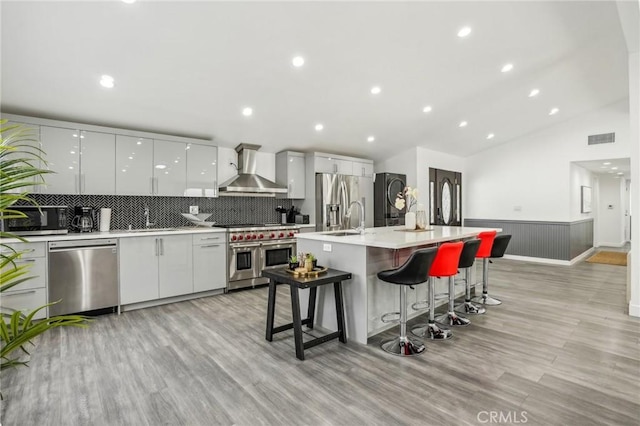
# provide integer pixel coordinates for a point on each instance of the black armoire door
(445, 197)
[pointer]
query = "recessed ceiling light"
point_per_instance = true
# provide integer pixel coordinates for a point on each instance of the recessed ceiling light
(128, 1)
(614, 168)
(247, 111)
(371, 139)
(139, 143)
(464, 31)
(107, 81)
(319, 127)
(376, 90)
(507, 67)
(161, 166)
(490, 136)
(72, 152)
(130, 157)
(298, 61)
(463, 124)
(553, 111)
(427, 109)
(534, 92)
(620, 173)
(606, 163)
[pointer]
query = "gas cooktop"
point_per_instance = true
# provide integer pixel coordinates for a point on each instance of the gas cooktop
(257, 225)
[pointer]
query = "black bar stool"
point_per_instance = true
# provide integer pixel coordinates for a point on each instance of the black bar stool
(467, 259)
(498, 249)
(414, 271)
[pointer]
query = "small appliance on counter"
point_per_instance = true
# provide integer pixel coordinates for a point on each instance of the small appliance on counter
(42, 220)
(302, 219)
(83, 219)
(291, 214)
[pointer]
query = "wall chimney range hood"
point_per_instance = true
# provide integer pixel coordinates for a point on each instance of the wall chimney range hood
(247, 182)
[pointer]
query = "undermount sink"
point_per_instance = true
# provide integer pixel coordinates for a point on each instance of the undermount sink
(342, 233)
(151, 230)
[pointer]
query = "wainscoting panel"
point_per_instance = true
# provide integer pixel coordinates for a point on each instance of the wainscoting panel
(549, 240)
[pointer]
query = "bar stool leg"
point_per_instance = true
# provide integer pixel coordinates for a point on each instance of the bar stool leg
(431, 330)
(403, 345)
(451, 318)
(485, 299)
(467, 307)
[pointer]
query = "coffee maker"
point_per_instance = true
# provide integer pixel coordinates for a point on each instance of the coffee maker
(83, 219)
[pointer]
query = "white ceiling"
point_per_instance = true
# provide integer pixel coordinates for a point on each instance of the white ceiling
(611, 166)
(190, 68)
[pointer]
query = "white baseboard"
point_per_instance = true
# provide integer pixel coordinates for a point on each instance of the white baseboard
(551, 261)
(634, 310)
(605, 244)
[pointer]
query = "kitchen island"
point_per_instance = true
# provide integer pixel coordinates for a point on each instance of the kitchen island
(366, 298)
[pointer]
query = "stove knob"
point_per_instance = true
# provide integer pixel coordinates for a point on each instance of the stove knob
(272, 235)
(261, 236)
(233, 238)
(253, 237)
(281, 235)
(240, 237)
(291, 234)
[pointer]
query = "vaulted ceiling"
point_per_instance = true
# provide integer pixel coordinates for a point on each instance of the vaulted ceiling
(190, 68)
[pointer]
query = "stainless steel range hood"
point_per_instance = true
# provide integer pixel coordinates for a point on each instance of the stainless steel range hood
(247, 182)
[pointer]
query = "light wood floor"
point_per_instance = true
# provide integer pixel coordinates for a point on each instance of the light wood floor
(560, 349)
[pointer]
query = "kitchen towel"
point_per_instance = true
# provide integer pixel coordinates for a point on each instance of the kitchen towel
(105, 220)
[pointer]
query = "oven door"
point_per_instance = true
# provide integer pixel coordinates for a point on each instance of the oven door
(276, 255)
(244, 261)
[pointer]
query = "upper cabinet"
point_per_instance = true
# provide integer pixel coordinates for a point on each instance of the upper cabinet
(290, 172)
(362, 168)
(83, 161)
(30, 137)
(169, 168)
(202, 171)
(327, 163)
(134, 162)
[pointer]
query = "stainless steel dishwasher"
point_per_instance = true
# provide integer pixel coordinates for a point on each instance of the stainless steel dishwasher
(83, 275)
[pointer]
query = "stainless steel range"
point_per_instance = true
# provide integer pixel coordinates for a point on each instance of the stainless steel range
(253, 248)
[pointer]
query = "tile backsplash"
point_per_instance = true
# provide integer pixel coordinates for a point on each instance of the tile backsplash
(165, 211)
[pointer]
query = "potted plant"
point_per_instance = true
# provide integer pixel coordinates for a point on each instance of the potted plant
(17, 175)
(293, 262)
(312, 258)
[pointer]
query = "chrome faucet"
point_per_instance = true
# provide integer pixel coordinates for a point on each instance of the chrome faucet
(361, 227)
(147, 224)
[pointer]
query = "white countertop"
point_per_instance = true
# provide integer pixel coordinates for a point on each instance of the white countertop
(116, 234)
(396, 237)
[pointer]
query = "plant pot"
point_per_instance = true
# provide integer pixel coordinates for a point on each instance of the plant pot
(293, 266)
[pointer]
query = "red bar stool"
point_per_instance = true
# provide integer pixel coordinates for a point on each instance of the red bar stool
(414, 271)
(498, 248)
(444, 265)
(484, 252)
(467, 258)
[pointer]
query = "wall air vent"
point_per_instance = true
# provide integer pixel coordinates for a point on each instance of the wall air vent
(603, 138)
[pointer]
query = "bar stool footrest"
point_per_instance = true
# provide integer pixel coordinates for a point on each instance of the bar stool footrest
(422, 304)
(386, 318)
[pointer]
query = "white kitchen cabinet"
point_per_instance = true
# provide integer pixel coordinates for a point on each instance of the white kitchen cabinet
(362, 168)
(138, 257)
(31, 294)
(134, 161)
(30, 137)
(83, 161)
(202, 171)
(330, 164)
(290, 172)
(209, 261)
(175, 265)
(155, 267)
(169, 167)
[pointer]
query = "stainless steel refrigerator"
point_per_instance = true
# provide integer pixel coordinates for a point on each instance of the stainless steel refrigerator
(334, 195)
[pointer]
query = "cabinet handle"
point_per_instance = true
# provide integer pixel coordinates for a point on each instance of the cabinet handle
(210, 245)
(25, 260)
(76, 184)
(157, 250)
(210, 238)
(83, 183)
(161, 246)
(215, 188)
(335, 168)
(18, 293)
(151, 185)
(290, 188)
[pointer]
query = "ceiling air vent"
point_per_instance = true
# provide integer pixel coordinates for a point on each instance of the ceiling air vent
(603, 138)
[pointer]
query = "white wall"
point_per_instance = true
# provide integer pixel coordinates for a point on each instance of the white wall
(579, 177)
(532, 173)
(610, 211)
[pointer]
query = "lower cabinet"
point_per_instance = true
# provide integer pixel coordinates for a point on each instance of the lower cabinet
(209, 261)
(31, 294)
(155, 267)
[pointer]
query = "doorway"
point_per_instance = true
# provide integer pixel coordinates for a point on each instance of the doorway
(445, 197)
